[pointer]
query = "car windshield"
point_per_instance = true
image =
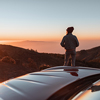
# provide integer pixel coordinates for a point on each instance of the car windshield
(92, 93)
(68, 92)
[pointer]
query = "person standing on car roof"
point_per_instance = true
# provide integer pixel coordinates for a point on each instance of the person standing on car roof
(70, 42)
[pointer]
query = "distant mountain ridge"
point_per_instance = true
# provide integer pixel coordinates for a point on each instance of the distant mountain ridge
(40, 46)
(51, 46)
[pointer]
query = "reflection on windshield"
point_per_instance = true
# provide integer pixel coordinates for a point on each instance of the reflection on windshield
(93, 93)
(72, 71)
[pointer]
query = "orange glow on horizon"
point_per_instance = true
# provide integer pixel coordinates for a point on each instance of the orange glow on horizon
(43, 36)
(89, 38)
(41, 39)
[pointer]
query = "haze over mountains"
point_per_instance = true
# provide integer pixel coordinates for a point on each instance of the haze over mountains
(52, 46)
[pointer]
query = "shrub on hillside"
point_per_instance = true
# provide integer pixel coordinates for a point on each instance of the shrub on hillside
(8, 59)
(43, 66)
(31, 65)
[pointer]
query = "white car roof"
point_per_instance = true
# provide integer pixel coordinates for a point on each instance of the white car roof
(41, 85)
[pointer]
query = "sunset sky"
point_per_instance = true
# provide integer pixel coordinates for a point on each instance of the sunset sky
(47, 20)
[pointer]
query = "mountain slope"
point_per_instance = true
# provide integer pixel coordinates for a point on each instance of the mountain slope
(89, 55)
(15, 61)
(22, 55)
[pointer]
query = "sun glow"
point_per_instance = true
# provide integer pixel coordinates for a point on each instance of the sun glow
(9, 41)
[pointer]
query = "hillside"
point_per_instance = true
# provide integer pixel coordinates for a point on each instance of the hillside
(16, 61)
(21, 55)
(88, 55)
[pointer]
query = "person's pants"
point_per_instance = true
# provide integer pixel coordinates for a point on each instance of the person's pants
(67, 55)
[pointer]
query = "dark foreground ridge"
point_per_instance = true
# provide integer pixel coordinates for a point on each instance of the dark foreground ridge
(16, 61)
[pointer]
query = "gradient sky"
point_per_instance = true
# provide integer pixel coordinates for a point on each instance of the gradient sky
(48, 19)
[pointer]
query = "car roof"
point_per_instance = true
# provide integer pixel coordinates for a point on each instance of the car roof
(41, 85)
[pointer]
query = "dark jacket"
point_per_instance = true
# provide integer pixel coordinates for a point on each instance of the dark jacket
(69, 41)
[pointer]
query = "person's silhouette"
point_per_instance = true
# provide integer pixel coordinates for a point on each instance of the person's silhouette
(69, 42)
